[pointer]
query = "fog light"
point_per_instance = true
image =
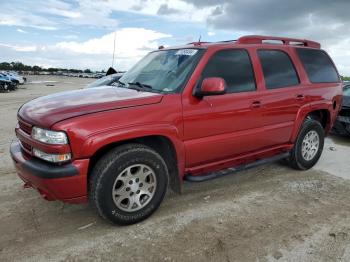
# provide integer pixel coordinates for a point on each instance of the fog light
(54, 158)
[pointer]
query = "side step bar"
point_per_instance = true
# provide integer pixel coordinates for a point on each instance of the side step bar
(224, 172)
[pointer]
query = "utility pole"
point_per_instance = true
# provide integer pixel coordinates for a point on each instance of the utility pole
(115, 34)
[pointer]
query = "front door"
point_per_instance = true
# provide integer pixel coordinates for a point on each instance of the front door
(223, 126)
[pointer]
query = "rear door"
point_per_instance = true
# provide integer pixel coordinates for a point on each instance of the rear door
(282, 97)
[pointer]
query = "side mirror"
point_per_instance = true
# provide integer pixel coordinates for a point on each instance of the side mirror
(211, 86)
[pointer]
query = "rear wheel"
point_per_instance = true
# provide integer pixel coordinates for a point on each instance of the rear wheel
(128, 184)
(308, 146)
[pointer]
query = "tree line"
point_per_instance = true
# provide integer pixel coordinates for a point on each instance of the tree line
(18, 66)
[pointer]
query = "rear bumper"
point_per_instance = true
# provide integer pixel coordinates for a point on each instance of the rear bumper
(67, 183)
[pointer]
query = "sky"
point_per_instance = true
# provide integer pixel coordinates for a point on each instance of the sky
(80, 33)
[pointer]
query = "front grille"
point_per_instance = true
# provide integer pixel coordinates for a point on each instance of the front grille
(27, 128)
(26, 146)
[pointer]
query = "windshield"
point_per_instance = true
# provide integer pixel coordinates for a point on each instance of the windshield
(163, 71)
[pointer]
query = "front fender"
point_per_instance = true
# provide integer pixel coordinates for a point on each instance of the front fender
(100, 139)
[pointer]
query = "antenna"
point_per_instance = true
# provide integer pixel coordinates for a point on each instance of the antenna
(115, 34)
(199, 40)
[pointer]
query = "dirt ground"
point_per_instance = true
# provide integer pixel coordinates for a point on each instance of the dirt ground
(264, 214)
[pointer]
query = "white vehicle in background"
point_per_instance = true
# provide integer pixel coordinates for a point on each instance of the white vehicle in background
(21, 80)
(14, 77)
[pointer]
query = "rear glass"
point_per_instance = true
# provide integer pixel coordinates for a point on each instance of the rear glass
(318, 66)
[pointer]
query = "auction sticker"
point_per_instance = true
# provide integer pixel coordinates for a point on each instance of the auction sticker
(189, 52)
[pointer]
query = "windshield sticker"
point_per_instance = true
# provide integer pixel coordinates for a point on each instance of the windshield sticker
(188, 52)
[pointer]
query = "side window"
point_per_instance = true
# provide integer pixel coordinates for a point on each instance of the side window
(278, 69)
(234, 67)
(317, 65)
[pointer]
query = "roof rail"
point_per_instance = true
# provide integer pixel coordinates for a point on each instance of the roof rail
(258, 39)
(198, 43)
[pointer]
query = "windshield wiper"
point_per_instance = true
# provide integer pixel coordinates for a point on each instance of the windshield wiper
(139, 86)
(143, 86)
(120, 82)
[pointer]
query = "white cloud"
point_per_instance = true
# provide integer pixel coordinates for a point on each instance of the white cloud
(52, 14)
(129, 42)
(19, 30)
(67, 36)
(20, 48)
(26, 20)
(131, 45)
(62, 12)
(340, 54)
(186, 11)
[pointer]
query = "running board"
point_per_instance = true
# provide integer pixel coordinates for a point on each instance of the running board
(224, 172)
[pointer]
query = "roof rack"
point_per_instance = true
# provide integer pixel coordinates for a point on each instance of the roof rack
(197, 43)
(259, 39)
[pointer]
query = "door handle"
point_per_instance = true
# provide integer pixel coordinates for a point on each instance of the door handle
(256, 104)
(300, 97)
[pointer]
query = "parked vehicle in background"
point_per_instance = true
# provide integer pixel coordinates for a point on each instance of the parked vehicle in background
(180, 113)
(17, 78)
(11, 77)
(106, 80)
(342, 123)
(7, 83)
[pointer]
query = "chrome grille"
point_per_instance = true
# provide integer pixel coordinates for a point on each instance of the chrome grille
(27, 128)
(26, 146)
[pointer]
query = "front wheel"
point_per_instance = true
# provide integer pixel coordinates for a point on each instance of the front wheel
(128, 184)
(308, 146)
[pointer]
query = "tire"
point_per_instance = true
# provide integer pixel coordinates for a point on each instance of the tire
(298, 158)
(132, 201)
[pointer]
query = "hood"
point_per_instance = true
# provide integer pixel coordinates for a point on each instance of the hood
(48, 110)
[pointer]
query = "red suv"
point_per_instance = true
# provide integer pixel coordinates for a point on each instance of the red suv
(180, 113)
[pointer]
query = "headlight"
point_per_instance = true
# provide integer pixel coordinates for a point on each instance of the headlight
(51, 157)
(49, 137)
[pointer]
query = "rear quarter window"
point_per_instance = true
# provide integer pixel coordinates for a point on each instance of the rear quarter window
(318, 66)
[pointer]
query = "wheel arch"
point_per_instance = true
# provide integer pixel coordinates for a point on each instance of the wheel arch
(321, 114)
(162, 144)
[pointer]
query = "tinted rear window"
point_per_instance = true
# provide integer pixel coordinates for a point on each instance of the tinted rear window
(318, 66)
(234, 67)
(278, 69)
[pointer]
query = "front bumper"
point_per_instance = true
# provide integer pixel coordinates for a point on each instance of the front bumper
(67, 182)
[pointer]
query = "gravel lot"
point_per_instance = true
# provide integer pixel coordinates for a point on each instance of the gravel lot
(265, 214)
